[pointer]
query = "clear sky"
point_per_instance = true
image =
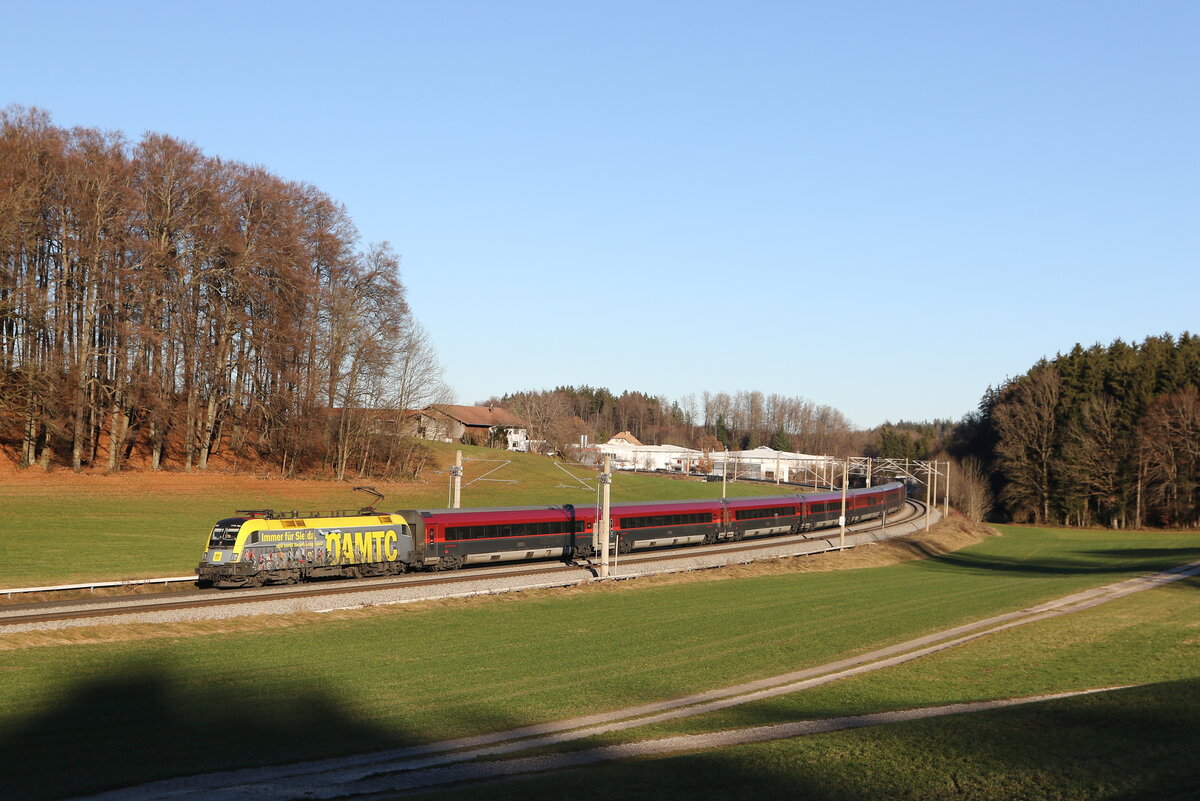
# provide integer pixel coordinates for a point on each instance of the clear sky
(883, 207)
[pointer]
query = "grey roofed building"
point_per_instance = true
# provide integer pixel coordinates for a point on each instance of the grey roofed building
(445, 422)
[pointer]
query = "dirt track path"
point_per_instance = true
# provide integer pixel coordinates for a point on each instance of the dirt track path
(390, 772)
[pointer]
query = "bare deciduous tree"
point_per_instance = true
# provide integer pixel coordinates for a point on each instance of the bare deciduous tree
(542, 413)
(1027, 423)
(971, 492)
(1169, 442)
(1092, 453)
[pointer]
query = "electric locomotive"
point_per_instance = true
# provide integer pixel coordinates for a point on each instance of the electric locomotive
(258, 546)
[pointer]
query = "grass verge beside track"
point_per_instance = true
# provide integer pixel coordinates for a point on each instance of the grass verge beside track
(121, 713)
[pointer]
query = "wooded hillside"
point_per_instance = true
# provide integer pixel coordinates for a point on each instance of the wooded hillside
(1107, 434)
(156, 303)
(714, 421)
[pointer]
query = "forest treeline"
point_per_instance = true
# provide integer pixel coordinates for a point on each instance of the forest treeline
(713, 421)
(160, 304)
(1107, 435)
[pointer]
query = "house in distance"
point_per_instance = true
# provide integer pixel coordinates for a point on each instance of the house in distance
(471, 425)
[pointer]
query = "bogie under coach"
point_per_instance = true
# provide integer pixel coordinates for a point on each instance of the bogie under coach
(262, 547)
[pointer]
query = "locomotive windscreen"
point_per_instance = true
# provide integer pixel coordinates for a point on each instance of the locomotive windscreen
(225, 532)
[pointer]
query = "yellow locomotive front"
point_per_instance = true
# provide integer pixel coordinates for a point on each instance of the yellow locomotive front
(260, 548)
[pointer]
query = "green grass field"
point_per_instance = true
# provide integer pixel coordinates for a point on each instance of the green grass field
(178, 704)
(1133, 745)
(63, 529)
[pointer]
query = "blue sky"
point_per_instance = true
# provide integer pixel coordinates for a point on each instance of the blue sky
(882, 207)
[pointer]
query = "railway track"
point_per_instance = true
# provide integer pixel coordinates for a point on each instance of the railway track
(324, 595)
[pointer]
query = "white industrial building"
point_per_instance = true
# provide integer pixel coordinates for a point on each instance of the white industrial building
(767, 464)
(629, 454)
(759, 464)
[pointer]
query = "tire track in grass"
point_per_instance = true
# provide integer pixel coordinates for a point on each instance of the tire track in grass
(389, 785)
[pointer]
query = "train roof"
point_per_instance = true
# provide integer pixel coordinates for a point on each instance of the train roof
(492, 510)
(588, 509)
(765, 500)
(833, 495)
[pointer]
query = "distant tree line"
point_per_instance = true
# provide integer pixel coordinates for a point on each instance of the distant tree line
(912, 440)
(161, 304)
(1106, 435)
(713, 422)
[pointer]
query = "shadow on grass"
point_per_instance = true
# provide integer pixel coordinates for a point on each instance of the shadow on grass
(1154, 554)
(140, 722)
(1116, 561)
(1130, 745)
